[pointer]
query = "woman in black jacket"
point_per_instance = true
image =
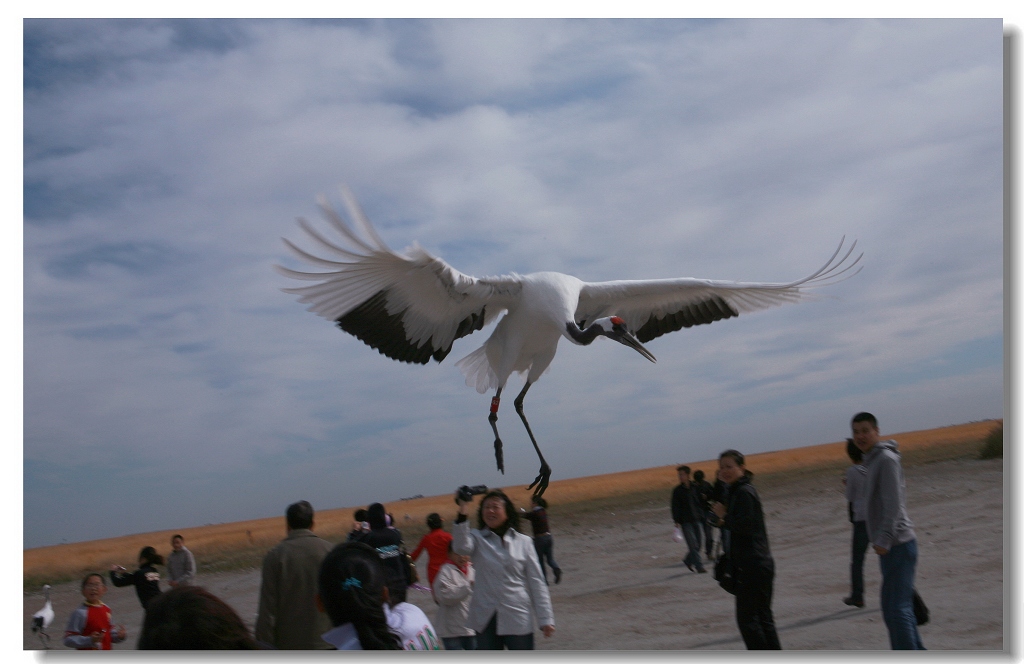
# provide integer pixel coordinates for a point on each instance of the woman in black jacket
(145, 579)
(391, 549)
(748, 550)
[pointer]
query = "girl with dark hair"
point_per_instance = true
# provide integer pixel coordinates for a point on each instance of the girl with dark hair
(747, 548)
(510, 593)
(353, 592)
(193, 618)
(145, 579)
(435, 543)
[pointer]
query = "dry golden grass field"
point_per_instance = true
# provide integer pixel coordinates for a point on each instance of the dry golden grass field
(227, 546)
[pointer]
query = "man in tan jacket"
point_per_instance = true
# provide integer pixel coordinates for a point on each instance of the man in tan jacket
(288, 617)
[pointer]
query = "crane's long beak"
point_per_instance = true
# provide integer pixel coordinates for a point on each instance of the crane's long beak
(627, 339)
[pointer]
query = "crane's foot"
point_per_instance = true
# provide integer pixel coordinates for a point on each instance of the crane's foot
(542, 481)
(499, 456)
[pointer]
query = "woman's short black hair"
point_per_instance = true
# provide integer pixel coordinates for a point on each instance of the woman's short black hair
(434, 521)
(193, 618)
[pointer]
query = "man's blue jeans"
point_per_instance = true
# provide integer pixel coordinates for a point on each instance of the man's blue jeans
(898, 596)
(691, 533)
(709, 534)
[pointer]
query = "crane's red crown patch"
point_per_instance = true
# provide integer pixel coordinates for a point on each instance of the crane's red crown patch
(617, 321)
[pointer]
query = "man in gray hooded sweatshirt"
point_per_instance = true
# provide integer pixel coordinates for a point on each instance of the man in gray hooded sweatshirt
(890, 531)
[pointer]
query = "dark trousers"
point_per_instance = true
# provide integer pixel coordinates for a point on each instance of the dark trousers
(489, 639)
(545, 546)
(860, 547)
(459, 642)
(754, 609)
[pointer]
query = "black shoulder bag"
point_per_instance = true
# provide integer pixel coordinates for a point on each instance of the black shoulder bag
(725, 573)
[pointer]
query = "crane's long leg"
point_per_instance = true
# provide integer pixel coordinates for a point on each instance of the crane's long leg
(544, 476)
(493, 419)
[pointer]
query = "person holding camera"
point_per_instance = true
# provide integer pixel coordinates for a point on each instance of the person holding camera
(510, 593)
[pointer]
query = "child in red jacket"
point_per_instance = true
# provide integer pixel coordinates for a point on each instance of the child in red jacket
(89, 625)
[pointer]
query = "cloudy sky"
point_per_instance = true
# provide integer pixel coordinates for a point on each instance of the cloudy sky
(168, 382)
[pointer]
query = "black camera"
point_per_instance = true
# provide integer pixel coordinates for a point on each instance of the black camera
(466, 493)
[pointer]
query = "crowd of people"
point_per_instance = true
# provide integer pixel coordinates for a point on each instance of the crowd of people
(489, 580)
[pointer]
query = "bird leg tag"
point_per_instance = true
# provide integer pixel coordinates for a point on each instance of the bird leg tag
(494, 404)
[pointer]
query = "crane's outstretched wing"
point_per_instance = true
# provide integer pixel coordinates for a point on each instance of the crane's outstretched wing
(659, 306)
(409, 307)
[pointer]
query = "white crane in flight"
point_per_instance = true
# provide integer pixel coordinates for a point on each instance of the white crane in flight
(412, 306)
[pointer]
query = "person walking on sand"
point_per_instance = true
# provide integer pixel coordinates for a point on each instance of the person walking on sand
(146, 579)
(288, 618)
(703, 490)
(687, 515)
(890, 531)
(747, 547)
(542, 540)
(181, 564)
(435, 543)
(856, 475)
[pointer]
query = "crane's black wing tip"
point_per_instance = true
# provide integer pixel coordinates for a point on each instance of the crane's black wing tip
(707, 311)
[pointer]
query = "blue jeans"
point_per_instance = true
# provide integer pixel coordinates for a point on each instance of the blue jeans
(860, 547)
(898, 596)
(459, 642)
(489, 639)
(691, 533)
(709, 534)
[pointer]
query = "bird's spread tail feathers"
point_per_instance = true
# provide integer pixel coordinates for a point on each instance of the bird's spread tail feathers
(477, 370)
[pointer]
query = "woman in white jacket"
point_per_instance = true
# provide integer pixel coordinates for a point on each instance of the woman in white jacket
(510, 593)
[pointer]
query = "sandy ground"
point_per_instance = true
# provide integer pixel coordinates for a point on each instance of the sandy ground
(625, 587)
